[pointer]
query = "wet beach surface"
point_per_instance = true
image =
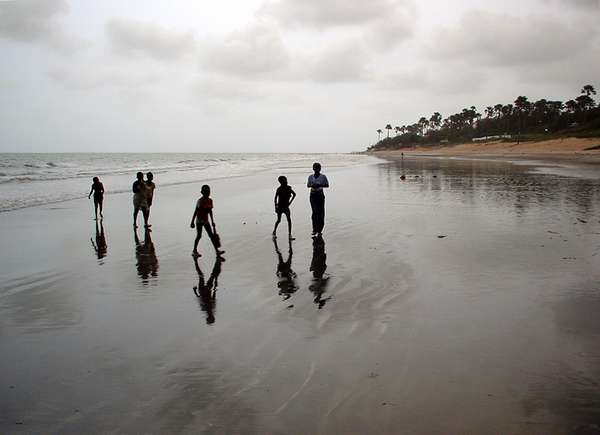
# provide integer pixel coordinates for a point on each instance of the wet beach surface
(462, 299)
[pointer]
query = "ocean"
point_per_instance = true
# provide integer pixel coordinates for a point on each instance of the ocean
(28, 180)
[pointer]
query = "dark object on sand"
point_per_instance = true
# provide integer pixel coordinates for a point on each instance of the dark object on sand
(402, 177)
(441, 236)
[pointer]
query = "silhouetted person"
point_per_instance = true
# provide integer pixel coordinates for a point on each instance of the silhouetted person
(317, 267)
(287, 284)
(150, 186)
(284, 196)
(145, 253)
(139, 200)
(100, 247)
(200, 219)
(317, 182)
(207, 291)
(98, 191)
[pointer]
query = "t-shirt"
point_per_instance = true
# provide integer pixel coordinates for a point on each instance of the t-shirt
(150, 186)
(316, 184)
(204, 206)
(98, 189)
(284, 193)
(139, 187)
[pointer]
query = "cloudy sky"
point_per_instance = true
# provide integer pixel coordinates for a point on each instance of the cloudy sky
(274, 75)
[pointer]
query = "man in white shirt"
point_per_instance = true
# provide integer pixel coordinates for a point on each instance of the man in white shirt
(317, 182)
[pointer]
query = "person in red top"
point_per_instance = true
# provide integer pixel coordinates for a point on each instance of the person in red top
(203, 211)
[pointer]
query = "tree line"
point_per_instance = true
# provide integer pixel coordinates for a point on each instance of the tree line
(521, 119)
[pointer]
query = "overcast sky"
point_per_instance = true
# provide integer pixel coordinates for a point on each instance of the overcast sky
(274, 75)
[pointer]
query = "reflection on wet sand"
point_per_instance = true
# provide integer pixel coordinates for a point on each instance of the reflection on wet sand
(100, 246)
(287, 277)
(317, 267)
(145, 254)
(206, 291)
(520, 186)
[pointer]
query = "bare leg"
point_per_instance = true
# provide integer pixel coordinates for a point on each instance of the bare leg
(135, 214)
(211, 235)
(289, 220)
(100, 204)
(277, 223)
(96, 208)
(145, 213)
(198, 236)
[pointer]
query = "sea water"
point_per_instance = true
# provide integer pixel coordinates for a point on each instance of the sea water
(28, 180)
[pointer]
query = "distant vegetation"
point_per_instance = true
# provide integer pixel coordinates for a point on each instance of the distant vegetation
(522, 120)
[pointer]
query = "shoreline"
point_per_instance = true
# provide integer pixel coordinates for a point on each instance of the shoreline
(558, 150)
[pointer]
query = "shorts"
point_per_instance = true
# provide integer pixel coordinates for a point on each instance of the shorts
(98, 198)
(281, 209)
(139, 201)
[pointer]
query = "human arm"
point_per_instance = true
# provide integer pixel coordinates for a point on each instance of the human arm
(309, 183)
(101, 188)
(91, 190)
(212, 219)
(293, 196)
(275, 199)
(194, 217)
(324, 182)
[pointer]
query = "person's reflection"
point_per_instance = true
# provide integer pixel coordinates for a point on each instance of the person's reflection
(206, 291)
(317, 267)
(100, 246)
(145, 254)
(287, 277)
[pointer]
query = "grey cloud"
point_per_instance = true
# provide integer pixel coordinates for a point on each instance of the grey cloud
(253, 52)
(91, 77)
(129, 37)
(505, 40)
(30, 20)
(37, 21)
(446, 80)
(328, 13)
(387, 33)
(584, 4)
(340, 63)
(405, 80)
(218, 88)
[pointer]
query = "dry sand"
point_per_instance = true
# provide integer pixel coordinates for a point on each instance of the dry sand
(461, 300)
(563, 149)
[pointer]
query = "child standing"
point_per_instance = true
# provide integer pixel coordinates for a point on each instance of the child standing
(98, 191)
(203, 211)
(284, 196)
(150, 186)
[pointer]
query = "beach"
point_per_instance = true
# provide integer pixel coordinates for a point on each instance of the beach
(582, 150)
(463, 298)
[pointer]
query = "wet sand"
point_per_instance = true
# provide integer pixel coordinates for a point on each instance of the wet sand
(463, 299)
(566, 149)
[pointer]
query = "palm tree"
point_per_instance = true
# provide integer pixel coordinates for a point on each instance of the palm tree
(379, 131)
(498, 109)
(588, 90)
(436, 120)
(388, 128)
(397, 130)
(423, 124)
(571, 106)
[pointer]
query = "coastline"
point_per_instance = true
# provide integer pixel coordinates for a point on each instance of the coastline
(566, 149)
